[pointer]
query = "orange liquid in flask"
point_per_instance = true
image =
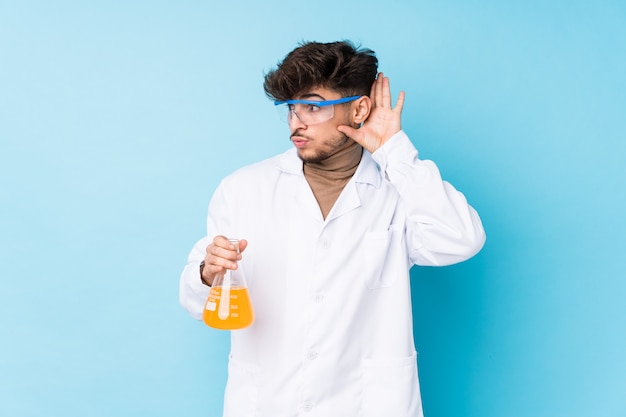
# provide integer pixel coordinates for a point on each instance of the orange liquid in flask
(238, 315)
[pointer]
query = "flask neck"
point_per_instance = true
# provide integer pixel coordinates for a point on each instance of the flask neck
(235, 242)
(232, 277)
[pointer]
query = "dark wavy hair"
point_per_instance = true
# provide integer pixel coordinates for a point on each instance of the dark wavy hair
(339, 66)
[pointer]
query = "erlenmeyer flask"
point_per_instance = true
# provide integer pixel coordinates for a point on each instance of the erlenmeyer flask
(228, 306)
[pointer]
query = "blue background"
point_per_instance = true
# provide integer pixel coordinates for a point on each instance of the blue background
(117, 120)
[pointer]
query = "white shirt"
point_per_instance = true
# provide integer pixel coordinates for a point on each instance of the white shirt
(333, 333)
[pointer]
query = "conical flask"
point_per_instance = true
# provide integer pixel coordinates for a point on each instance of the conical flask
(228, 306)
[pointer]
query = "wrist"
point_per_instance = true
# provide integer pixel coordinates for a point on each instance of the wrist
(201, 276)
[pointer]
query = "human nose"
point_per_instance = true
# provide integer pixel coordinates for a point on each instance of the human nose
(295, 122)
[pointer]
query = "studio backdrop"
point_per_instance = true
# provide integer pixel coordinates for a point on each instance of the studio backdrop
(118, 119)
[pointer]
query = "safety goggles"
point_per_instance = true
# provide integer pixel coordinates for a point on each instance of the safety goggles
(309, 112)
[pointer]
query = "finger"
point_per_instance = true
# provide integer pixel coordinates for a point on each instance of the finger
(354, 134)
(243, 244)
(399, 103)
(385, 93)
(222, 257)
(220, 263)
(373, 90)
(379, 90)
(222, 242)
(211, 270)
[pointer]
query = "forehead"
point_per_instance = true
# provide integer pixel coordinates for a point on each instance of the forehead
(319, 93)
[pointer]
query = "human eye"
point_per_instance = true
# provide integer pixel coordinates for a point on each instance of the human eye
(312, 108)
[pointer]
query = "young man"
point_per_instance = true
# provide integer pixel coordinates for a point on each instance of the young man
(329, 231)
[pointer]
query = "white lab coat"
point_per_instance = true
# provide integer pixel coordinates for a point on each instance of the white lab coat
(333, 331)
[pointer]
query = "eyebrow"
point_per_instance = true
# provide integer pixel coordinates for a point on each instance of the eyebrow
(310, 95)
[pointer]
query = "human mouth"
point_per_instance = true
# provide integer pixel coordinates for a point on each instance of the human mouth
(299, 141)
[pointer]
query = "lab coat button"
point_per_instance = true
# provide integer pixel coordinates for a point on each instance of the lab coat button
(311, 355)
(307, 406)
(318, 298)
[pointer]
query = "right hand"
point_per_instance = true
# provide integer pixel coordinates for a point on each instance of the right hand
(220, 256)
(383, 122)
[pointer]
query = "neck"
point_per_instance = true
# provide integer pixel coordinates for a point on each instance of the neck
(327, 178)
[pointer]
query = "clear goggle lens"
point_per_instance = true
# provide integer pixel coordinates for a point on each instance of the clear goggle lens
(309, 112)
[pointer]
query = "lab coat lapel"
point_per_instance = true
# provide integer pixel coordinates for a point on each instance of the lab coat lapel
(349, 199)
(303, 198)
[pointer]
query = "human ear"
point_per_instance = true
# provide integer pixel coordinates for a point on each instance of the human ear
(361, 109)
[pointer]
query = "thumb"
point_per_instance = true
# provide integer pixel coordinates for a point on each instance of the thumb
(354, 134)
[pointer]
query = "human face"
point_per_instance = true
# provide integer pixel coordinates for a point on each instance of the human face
(315, 143)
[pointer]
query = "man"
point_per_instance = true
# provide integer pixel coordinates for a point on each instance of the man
(329, 231)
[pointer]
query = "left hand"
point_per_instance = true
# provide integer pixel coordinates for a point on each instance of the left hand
(383, 121)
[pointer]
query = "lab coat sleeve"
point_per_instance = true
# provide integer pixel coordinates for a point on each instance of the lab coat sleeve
(192, 292)
(441, 227)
